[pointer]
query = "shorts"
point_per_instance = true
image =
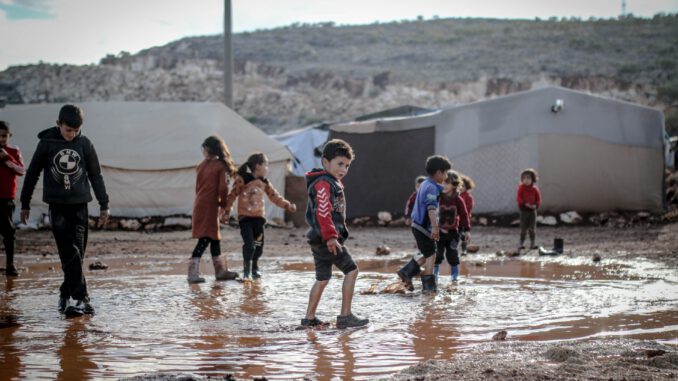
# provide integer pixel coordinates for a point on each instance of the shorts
(324, 261)
(426, 245)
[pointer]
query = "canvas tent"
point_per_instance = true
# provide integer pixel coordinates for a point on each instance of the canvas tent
(593, 155)
(306, 145)
(149, 150)
(389, 155)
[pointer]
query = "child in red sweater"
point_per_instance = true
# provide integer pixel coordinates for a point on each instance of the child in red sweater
(529, 200)
(11, 166)
(410, 200)
(454, 223)
(467, 184)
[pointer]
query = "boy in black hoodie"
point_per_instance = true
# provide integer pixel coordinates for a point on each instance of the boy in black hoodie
(69, 163)
(326, 217)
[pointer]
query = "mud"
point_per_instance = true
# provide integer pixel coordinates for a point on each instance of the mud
(562, 315)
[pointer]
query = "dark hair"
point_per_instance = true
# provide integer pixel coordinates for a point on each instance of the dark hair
(215, 146)
(4, 126)
(437, 163)
(468, 182)
(71, 116)
(419, 180)
(337, 147)
(531, 172)
(251, 163)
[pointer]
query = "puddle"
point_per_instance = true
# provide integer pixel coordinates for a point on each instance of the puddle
(150, 320)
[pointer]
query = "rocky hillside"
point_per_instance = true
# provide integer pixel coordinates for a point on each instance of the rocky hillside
(301, 74)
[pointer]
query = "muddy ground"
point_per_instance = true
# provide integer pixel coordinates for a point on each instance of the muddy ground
(528, 357)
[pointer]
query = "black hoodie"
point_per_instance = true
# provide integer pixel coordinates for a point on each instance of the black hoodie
(66, 167)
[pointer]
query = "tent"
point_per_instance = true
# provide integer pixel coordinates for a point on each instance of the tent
(593, 154)
(149, 150)
(390, 154)
(306, 145)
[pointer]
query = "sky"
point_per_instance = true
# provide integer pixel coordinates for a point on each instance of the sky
(84, 31)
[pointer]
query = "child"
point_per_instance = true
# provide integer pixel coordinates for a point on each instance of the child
(425, 224)
(467, 184)
(412, 198)
(454, 223)
(326, 217)
(250, 187)
(529, 200)
(211, 190)
(69, 164)
(11, 167)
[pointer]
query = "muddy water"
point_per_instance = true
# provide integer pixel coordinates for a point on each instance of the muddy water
(149, 320)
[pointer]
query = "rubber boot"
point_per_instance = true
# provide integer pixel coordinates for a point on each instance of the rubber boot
(436, 271)
(246, 269)
(221, 269)
(407, 272)
(194, 271)
(558, 245)
(428, 284)
(255, 270)
(455, 273)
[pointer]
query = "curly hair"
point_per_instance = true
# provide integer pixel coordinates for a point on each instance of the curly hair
(530, 172)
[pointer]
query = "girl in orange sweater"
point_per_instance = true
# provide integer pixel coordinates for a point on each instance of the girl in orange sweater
(211, 190)
(249, 188)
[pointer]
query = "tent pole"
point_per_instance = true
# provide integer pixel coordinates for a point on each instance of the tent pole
(228, 55)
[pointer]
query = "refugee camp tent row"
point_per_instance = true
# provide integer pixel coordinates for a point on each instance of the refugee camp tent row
(149, 150)
(592, 154)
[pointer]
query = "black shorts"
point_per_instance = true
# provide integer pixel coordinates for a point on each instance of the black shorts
(324, 261)
(426, 246)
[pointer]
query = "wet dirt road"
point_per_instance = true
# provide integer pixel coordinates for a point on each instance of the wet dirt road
(150, 320)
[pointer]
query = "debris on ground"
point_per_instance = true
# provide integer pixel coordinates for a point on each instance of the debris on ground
(383, 250)
(499, 336)
(98, 265)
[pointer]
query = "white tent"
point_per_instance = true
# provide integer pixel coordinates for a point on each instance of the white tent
(305, 144)
(149, 150)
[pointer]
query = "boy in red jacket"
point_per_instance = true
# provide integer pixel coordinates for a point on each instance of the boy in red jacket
(529, 200)
(11, 166)
(326, 217)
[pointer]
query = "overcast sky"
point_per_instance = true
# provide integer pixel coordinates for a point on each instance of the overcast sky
(83, 31)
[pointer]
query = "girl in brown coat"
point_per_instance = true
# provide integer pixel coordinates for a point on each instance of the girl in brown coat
(250, 187)
(211, 190)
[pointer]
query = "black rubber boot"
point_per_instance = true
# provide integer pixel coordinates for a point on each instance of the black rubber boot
(246, 270)
(428, 284)
(410, 270)
(255, 269)
(558, 245)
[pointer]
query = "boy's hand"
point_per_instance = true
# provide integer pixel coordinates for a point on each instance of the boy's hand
(25, 213)
(3, 153)
(333, 246)
(435, 233)
(103, 217)
(292, 208)
(408, 221)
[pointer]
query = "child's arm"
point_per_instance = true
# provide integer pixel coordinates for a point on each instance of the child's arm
(222, 190)
(279, 200)
(470, 204)
(97, 181)
(233, 194)
(520, 198)
(323, 211)
(464, 220)
(16, 164)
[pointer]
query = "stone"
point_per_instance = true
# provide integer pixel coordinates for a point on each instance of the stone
(182, 222)
(596, 258)
(500, 336)
(98, 265)
(547, 220)
(383, 250)
(130, 224)
(385, 217)
(571, 217)
(482, 221)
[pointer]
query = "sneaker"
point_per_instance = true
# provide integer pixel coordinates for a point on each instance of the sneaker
(74, 310)
(463, 253)
(87, 307)
(256, 274)
(11, 270)
(315, 322)
(63, 304)
(350, 320)
(521, 247)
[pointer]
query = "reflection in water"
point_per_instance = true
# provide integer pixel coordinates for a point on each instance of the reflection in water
(74, 357)
(9, 325)
(158, 323)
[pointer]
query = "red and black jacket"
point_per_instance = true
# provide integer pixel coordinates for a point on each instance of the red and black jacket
(11, 166)
(528, 194)
(326, 210)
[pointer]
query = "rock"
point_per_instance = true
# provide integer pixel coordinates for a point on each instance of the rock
(151, 227)
(650, 353)
(360, 221)
(665, 361)
(500, 336)
(513, 253)
(384, 217)
(479, 264)
(383, 250)
(98, 266)
(547, 220)
(596, 258)
(515, 223)
(472, 248)
(111, 224)
(130, 224)
(500, 253)
(571, 217)
(182, 222)
(372, 290)
(643, 214)
(561, 354)
(482, 221)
